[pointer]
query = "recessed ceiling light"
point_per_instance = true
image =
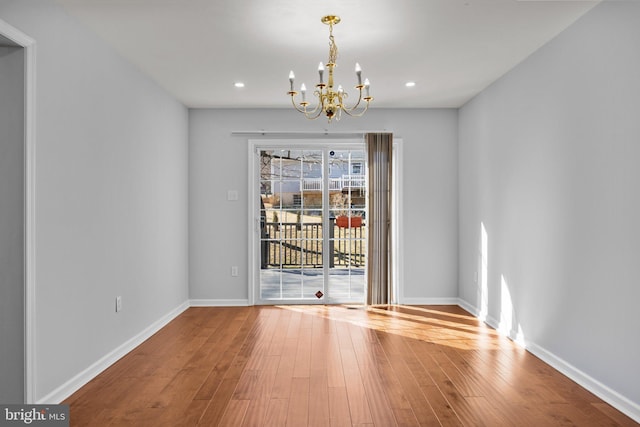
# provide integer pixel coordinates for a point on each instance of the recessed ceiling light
(410, 84)
(238, 84)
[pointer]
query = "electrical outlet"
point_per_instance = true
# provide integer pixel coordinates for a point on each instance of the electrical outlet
(118, 304)
(234, 271)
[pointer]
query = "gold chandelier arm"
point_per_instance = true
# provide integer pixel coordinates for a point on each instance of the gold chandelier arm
(293, 102)
(315, 113)
(311, 115)
(351, 113)
(347, 109)
(360, 114)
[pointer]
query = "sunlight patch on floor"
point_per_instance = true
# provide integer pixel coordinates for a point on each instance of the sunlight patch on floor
(397, 321)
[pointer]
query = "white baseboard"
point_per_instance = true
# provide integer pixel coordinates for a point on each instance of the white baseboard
(429, 301)
(495, 324)
(218, 302)
(615, 399)
(468, 307)
(75, 383)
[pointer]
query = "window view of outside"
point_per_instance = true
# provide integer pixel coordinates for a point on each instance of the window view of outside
(294, 245)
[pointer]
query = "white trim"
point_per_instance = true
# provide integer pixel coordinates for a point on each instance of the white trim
(612, 397)
(301, 134)
(219, 303)
(430, 301)
(29, 46)
(75, 383)
(15, 35)
(468, 307)
(397, 234)
(30, 217)
(495, 324)
(253, 221)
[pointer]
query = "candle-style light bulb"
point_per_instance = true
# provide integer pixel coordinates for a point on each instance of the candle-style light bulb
(366, 87)
(321, 71)
(340, 90)
(291, 77)
(303, 91)
(359, 73)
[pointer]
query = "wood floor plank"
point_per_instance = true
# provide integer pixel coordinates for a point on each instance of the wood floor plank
(298, 408)
(219, 402)
(335, 371)
(302, 363)
(393, 387)
(319, 398)
(380, 408)
(234, 414)
(441, 406)
(339, 413)
(277, 341)
(398, 353)
(276, 413)
(256, 412)
(282, 383)
(486, 412)
(358, 403)
(192, 413)
(221, 361)
(260, 395)
(333, 366)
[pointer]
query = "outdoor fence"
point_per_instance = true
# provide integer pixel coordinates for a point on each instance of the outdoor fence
(301, 245)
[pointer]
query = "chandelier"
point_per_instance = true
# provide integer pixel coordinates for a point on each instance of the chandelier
(331, 101)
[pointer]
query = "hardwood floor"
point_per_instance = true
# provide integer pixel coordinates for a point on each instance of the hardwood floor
(334, 366)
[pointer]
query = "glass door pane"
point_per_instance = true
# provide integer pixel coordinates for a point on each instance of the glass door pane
(291, 239)
(348, 240)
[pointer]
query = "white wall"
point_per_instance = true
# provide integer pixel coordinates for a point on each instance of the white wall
(549, 165)
(218, 162)
(111, 196)
(11, 224)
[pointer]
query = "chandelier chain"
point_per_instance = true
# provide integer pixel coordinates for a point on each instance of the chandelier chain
(333, 48)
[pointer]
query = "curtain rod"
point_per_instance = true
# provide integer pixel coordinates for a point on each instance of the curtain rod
(360, 133)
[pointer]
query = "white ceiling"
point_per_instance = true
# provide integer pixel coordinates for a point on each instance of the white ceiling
(452, 49)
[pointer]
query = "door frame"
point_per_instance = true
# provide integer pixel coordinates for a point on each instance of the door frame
(253, 217)
(29, 46)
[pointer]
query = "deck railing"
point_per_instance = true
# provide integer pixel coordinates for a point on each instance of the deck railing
(301, 245)
(345, 181)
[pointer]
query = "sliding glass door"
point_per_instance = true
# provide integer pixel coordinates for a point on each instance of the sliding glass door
(312, 217)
